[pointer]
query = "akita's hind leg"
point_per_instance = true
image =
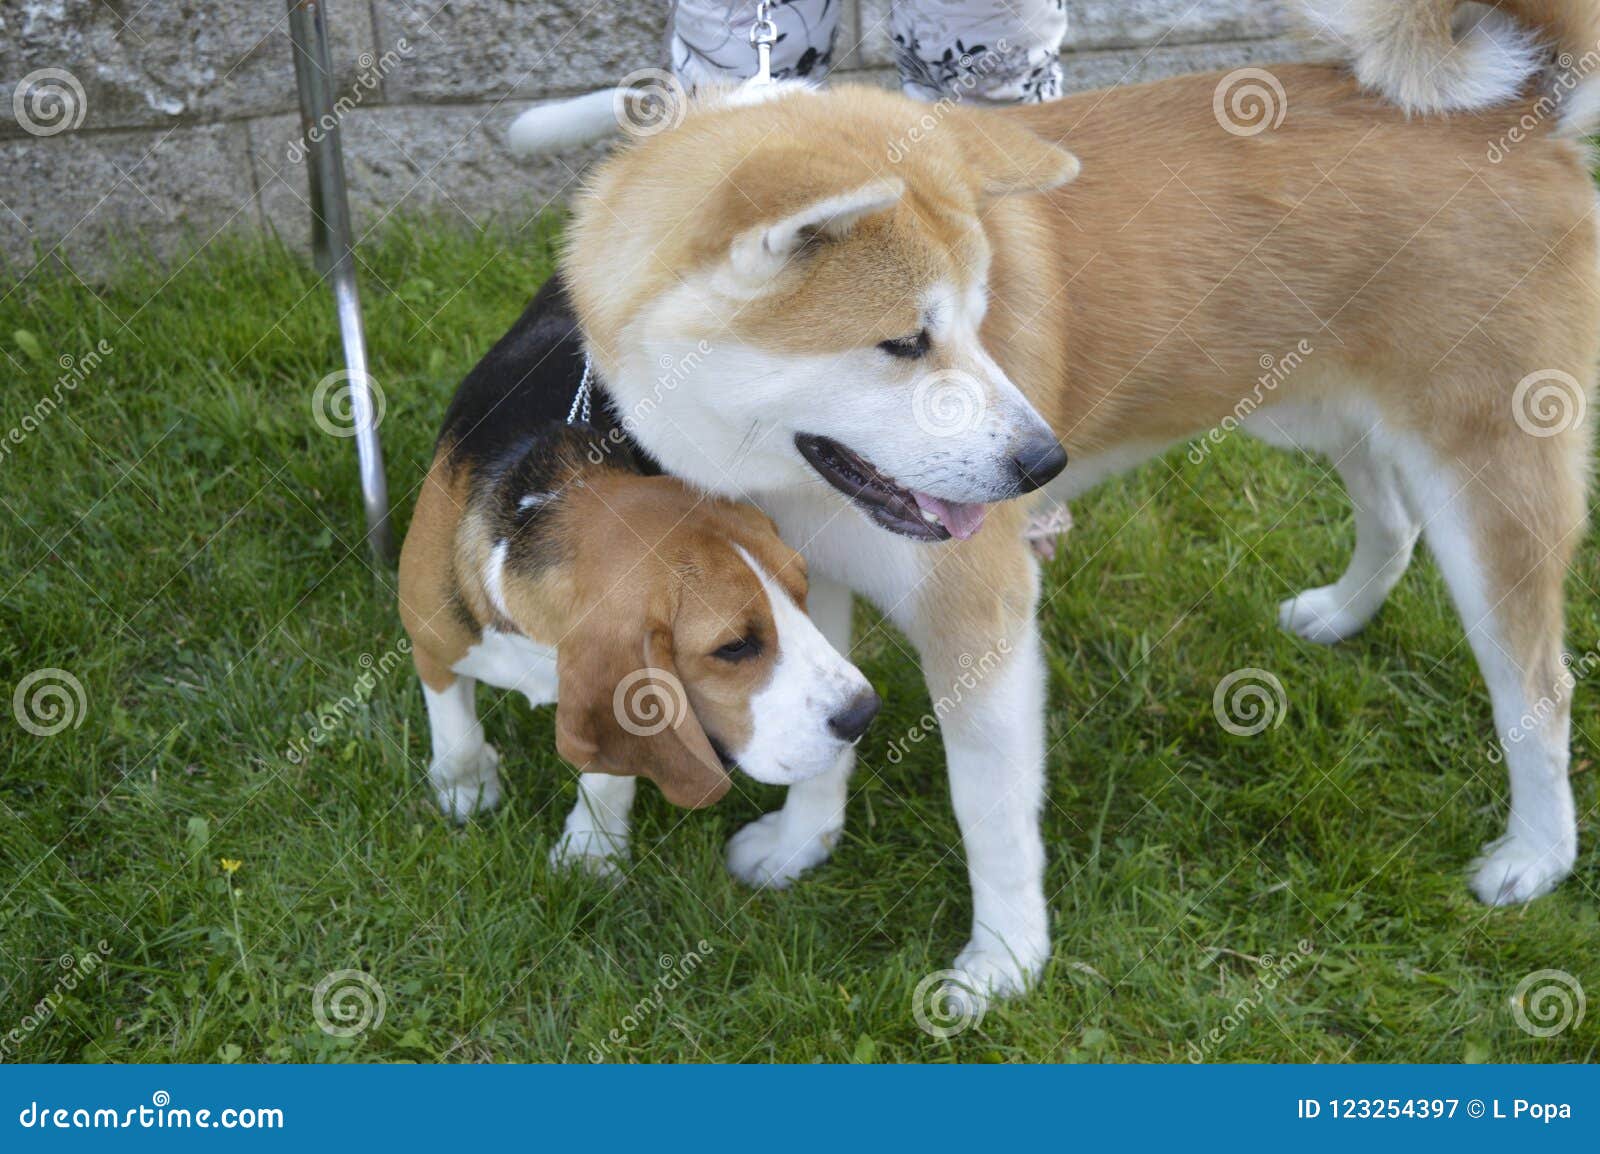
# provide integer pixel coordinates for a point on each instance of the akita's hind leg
(1386, 532)
(1503, 524)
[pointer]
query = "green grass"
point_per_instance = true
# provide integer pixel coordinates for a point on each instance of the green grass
(183, 540)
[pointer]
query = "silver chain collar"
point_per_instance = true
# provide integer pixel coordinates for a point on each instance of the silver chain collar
(582, 398)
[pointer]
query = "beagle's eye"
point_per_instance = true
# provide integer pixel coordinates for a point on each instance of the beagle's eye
(908, 348)
(740, 650)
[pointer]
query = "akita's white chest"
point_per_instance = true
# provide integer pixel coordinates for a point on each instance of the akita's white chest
(841, 545)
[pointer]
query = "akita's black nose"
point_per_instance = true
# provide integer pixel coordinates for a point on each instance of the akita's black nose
(852, 721)
(1037, 463)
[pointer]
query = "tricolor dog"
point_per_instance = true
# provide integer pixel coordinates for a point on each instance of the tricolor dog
(897, 313)
(669, 626)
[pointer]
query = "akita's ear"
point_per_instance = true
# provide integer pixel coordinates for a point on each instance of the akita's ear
(1005, 157)
(760, 253)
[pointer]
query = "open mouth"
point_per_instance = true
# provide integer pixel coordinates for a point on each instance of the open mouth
(897, 508)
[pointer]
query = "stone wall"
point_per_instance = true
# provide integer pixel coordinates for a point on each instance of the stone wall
(179, 119)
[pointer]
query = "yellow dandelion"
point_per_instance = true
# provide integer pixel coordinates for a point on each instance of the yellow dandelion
(230, 864)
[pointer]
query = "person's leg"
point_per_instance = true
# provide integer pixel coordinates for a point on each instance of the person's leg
(979, 53)
(1047, 529)
(710, 40)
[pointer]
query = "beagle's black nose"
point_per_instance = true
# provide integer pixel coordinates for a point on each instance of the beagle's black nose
(1038, 462)
(852, 721)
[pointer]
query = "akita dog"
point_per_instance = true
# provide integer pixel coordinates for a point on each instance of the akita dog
(898, 298)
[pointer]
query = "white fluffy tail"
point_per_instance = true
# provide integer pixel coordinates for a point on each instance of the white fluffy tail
(565, 123)
(1433, 56)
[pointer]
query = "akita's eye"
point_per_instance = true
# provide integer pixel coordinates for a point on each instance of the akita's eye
(908, 348)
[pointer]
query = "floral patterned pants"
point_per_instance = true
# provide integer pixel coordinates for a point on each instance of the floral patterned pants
(988, 53)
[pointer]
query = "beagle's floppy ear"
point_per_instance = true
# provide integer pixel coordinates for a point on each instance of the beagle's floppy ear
(759, 253)
(623, 710)
(1007, 158)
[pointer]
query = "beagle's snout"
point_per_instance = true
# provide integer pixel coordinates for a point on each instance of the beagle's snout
(1037, 462)
(852, 721)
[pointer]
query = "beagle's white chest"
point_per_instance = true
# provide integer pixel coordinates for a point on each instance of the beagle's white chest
(512, 661)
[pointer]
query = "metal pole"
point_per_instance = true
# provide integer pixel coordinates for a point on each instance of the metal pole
(331, 239)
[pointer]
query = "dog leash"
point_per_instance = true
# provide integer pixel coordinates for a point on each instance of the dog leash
(763, 35)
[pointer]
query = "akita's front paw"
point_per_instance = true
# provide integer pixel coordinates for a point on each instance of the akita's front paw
(1320, 615)
(995, 971)
(468, 783)
(769, 854)
(1518, 869)
(952, 1001)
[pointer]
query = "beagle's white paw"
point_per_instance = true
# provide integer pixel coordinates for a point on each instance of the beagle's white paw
(1518, 869)
(467, 784)
(596, 852)
(769, 853)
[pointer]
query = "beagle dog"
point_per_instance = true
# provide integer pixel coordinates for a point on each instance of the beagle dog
(548, 556)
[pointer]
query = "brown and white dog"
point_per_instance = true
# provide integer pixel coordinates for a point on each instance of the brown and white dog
(669, 626)
(897, 300)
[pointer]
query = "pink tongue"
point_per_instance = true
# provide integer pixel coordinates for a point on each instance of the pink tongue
(963, 520)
